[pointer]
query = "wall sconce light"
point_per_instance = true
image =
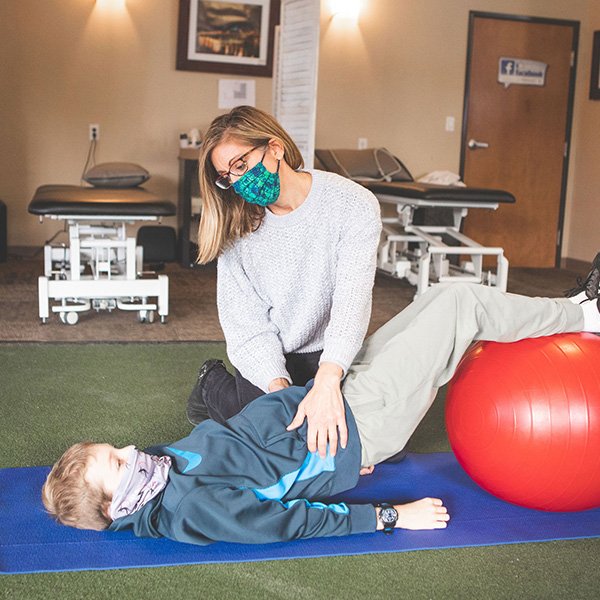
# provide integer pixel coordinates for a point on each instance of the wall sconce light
(345, 9)
(110, 3)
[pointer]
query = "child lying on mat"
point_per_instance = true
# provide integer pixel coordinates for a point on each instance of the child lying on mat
(254, 480)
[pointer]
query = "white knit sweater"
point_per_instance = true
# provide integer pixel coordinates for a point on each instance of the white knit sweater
(302, 282)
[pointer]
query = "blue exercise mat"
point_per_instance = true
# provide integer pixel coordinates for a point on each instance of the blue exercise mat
(31, 542)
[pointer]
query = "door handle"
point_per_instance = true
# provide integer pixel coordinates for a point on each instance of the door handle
(474, 144)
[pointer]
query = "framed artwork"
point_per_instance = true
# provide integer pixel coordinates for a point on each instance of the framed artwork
(220, 36)
(595, 77)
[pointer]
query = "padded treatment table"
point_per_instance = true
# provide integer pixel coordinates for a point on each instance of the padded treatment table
(101, 268)
(419, 252)
(435, 241)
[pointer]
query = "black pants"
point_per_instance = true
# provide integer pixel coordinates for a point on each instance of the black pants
(225, 394)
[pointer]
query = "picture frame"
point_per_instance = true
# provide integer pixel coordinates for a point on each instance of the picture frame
(595, 75)
(233, 37)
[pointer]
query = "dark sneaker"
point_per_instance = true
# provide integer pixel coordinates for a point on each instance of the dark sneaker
(196, 408)
(590, 285)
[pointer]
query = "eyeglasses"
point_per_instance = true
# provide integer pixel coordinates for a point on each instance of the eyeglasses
(237, 169)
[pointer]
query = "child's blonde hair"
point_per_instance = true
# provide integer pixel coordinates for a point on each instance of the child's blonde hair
(69, 498)
(225, 215)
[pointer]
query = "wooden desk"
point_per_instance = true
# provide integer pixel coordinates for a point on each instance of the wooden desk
(188, 187)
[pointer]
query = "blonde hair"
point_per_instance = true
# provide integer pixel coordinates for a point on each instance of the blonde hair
(68, 497)
(225, 216)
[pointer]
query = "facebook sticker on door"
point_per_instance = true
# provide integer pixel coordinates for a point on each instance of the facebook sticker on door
(520, 71)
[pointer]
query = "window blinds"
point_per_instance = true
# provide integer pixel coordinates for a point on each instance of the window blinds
(296, 72)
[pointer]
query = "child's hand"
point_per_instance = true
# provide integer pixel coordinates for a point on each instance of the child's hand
(427, 513)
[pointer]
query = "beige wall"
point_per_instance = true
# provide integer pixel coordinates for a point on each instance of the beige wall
(393, 79)
(70, 63)
(582, 227)
(397, 75)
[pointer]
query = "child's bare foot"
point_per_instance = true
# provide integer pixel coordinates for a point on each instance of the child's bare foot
(366, 470)
(427, 513)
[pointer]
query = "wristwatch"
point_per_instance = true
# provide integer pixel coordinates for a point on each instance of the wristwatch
(388, 516)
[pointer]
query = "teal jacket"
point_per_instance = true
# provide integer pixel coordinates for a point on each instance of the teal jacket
(251, 481)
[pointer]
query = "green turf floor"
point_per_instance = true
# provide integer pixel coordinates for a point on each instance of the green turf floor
(54, 395)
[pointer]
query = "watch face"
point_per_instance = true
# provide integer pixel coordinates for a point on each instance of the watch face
(388, 515)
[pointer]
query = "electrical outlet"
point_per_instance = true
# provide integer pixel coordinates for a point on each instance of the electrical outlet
(450, 123)
(362, 143)
(94, 132)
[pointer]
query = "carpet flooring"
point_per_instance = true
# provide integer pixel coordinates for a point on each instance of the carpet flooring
(51, 399)
(192, 305)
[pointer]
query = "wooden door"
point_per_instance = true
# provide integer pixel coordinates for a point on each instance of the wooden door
(522, 131)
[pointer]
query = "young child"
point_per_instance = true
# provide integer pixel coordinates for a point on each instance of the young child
(254, 478)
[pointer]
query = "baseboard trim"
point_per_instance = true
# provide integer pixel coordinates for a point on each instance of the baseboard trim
(23, 251)
(574, 264)
(570, 264)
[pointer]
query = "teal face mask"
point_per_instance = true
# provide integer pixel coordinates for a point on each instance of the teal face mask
(258, 186)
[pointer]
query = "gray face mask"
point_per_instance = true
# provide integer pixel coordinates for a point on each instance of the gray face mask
(144, 477)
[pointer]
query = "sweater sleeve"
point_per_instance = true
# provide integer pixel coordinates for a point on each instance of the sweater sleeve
(253, 343)
(354, 279)
(226, 514)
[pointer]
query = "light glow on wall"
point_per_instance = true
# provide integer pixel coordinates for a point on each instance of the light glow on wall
(345, 9)
(110, 4)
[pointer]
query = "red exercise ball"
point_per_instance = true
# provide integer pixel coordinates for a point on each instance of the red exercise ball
(523, 419)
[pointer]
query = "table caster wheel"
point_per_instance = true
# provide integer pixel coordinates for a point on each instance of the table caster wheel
(69, 318)
(146, 316)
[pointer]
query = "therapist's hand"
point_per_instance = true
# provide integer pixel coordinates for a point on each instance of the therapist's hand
(323, 407)
(278, 384)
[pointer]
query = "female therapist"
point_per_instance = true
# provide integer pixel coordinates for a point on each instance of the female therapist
(296, 256)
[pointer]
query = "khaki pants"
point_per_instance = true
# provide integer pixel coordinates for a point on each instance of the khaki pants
(395, 376)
